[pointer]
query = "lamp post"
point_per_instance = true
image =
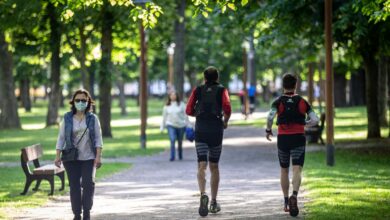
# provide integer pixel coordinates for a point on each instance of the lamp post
(143, 98)
(171, 52)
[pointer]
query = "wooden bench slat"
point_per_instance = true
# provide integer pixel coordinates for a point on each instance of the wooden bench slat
(48, 169)
(32, 152)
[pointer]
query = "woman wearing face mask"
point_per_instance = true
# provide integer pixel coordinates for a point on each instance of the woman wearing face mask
(81, 129)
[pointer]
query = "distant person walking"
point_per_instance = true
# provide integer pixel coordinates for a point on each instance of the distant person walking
(79, 148)
(291, 110)
(175, 120)
(210, 104)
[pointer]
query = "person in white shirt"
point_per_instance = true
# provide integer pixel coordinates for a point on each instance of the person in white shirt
(175, 120)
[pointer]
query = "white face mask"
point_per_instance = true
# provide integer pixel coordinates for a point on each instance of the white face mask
(81, 106)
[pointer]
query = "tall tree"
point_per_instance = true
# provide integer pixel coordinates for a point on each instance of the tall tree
(179, 55)
(9, 117)
(105, 73)
(55, 63)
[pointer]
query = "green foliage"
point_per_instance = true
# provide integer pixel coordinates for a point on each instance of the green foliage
(377, 10)
(355, 188)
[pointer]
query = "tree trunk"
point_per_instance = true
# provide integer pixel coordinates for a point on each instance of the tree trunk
(191, 76)
(83, 67)
(122, 98)
(179, 56)
(371, 70)
(252, 62)
(9, 117)
(357, 87)
(92, 70)
(310, 88)
(55, 64)
(382, 91)
(25, 93)
(105, 71)
(340, 85)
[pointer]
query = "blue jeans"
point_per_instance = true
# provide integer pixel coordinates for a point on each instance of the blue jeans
(176, 134)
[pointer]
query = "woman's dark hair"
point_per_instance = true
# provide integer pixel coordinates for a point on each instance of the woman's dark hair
(177, 98)
(211, 74)
(90, 100)
(289, 81)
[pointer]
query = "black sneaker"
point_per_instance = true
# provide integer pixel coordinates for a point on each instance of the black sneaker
(204, 202)
(293, 206)
(86, 216)
(215, 207)
(77, 217)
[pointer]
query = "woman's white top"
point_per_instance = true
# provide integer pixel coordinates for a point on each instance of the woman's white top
(174, 115)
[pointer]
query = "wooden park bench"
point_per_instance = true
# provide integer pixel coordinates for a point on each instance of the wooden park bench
(313, 134)
(39, 173)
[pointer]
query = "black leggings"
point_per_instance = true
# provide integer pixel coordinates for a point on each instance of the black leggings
(76, 171)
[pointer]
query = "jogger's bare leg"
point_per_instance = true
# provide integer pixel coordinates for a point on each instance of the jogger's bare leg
(214, 180)
(284, 181)
(202, 176)
(297, 176)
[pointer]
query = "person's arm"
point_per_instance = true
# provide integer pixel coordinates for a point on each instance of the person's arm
(270, 120)
(60, 144)
(313, 119)
(99, 143)
(226, 107)
(191, 103)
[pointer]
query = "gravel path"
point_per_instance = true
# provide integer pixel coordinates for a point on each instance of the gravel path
(155, 188)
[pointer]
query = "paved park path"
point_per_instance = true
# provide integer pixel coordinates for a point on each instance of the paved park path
(155, 188)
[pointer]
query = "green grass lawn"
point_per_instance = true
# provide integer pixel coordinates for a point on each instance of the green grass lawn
(357, 187)
(12, 181)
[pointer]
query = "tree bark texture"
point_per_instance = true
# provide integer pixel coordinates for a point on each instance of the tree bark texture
(252, 62)
(55, 65)
(83, 51)
(122, 98)
(25, 93)
(357, 88)
(310, 88)
(179, 56)
(340, 90)
(9, 117)
(371, 70)
(105, 81)
(382, 91)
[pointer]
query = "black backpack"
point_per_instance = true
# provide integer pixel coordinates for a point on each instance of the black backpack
(291, 114)
(209, 101)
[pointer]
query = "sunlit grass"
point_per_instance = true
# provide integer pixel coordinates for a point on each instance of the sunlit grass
(12, 183)
(357, 187)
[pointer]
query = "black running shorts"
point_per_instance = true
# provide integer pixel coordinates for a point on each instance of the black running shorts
(291, 146)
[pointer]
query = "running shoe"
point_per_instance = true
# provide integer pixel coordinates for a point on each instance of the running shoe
(204, 202)
(215, 207)
(293, 205)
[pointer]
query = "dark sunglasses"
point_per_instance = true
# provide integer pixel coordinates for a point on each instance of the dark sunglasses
(80, 100)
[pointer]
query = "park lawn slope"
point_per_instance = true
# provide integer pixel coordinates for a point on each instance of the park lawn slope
(12, 181)
(357, 187)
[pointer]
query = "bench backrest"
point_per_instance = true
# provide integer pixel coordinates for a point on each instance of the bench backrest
(32, 152)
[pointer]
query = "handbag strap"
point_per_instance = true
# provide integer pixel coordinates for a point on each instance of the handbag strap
(78, 142)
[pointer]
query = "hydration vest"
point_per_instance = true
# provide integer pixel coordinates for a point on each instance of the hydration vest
(291, 113)
(209, 101)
